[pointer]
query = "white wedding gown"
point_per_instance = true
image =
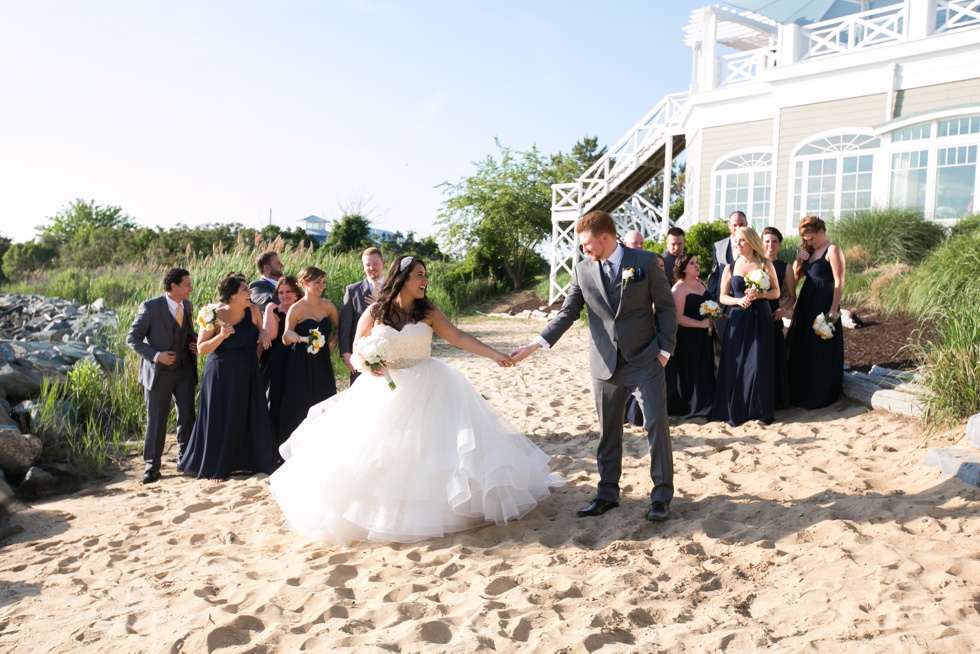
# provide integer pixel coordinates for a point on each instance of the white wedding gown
(429, 458)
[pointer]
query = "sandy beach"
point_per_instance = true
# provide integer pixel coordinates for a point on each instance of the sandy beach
(823, 532)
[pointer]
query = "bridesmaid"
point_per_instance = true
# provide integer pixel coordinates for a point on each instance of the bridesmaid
(287, 292)
(816, 366)
(744, 390)
(772, 240)
(691, 371)
(309, 376)
(233, 430)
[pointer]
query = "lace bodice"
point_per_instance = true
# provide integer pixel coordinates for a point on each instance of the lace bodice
(410, 346)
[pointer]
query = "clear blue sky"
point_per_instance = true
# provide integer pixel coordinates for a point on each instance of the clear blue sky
(220, 110)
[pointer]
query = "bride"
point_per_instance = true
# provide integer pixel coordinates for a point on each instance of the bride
(426, 459)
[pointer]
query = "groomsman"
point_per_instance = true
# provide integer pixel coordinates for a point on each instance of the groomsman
(633, 239)
(264, 288)
(357, 297)
(163, 336)
(722, 254)
(675, 250)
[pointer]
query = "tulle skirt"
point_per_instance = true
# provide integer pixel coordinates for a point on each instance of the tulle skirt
(429, 458)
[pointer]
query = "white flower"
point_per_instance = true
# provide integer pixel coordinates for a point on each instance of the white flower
(628, 274)
(207, 317)
(315, 341)
(710, 309)
(823, 327)
(371, 353)
(758, 279)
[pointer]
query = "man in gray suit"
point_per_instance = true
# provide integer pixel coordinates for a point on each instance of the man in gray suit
(263, 289)
(627, 353)
(164, 337)
(357, 297)
(722, 255)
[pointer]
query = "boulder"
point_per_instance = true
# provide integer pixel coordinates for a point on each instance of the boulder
(973, 430)
(19, 382)
(47, 482)
(109, 361)
(18, 452)
(6, 421)
(960, 463)
(72, 351)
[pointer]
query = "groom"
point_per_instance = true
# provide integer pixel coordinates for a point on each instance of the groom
(619, 287)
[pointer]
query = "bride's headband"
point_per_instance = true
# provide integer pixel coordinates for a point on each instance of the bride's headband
(406, 262)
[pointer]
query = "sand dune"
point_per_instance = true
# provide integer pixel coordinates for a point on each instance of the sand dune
(822, 532)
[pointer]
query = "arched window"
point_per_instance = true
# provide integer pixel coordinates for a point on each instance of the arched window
(743, 182)
(833, 175)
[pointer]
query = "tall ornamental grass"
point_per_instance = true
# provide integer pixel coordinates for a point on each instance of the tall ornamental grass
(949, 365)
(885, 236)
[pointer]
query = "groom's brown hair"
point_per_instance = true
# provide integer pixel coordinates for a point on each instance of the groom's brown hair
(596, 222)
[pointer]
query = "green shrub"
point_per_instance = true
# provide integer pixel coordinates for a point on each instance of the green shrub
(950, 368)
(700, 240)
(887, 235)
(965, 225)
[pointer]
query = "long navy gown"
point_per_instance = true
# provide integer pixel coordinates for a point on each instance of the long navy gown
(816, 366)
(691, 371)
(309, 377)
(276, 367)
(780, 374)
(233, 430)
(745, 377)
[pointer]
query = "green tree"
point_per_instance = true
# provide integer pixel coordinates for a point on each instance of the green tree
(654, 191)
(502, 213)
(569, 167)
(5, 244)
(393, 245)
(21, 259)
(351, 232)
(80, 218)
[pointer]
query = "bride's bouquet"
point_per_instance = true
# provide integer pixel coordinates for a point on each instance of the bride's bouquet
(823, 327)
(207, 317)
(758, 279)
(710, 309)
(371, 353)
(315, 341)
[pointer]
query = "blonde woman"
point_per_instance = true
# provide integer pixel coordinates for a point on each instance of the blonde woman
(745, 376)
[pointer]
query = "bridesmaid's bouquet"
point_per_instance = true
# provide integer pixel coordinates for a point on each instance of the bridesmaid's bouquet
(315, 341)
(823, 327)
(710, 309)
(758, 279)
(371, 353)
(207, 317)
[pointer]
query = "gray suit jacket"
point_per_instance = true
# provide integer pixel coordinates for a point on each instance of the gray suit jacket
(263, 292)
(626, 326)
(357, 298)
(722, 255)
(155, 330)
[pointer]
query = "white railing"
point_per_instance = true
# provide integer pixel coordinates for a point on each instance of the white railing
(640, 214)
(956, 14)
(621, 158)
(857, 31)
(742, 67)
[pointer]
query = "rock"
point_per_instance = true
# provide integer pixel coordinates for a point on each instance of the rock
(7, 353)
(26, 414)
(109, 361)
(7, 500)
(72, 351)
(47, 482)
(19, 382)
(98, 305)
(973, 430)
(18, 452)
(961, 463)
(6, 421)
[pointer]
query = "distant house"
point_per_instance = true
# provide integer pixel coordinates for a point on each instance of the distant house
(800, 107)
(316, 227)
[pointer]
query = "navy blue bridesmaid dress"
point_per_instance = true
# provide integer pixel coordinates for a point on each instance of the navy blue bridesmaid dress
(780, 372)
(691, 371)
(276, 367)
(309, 377)
(816, 366)
(233, 430)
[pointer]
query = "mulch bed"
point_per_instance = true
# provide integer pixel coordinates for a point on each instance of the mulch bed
(881, 341)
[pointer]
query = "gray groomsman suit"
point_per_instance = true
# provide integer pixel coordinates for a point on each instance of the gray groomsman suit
(357, 298)
(624, 346)
(154, 330)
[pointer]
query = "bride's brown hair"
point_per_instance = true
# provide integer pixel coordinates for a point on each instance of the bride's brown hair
(384, 310)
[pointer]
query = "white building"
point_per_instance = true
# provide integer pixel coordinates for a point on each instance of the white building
(803, 107)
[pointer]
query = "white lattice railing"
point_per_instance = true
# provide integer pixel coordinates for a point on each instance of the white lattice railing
(857, 31)
(742, 67)
(956, 14)
(623, 157)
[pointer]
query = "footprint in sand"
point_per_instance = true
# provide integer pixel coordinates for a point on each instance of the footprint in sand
(436, 632)
(238, 632)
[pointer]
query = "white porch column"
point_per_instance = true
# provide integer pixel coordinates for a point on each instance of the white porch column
(709, 51)
(792, 44)
(920, 19)
(668, 182)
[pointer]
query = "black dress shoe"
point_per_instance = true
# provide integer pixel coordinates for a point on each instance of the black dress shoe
(150, 476)
(658, 512)
(598, 507)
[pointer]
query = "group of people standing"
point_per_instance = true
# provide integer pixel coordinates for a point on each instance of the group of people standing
(759, 368)
(260, 377)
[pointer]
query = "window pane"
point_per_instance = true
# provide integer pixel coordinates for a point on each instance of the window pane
(955, 181)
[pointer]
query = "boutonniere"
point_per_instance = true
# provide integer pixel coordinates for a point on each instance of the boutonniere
(631, 274)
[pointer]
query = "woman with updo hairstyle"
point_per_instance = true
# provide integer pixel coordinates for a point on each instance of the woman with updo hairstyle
(772, 241)
(745, 375)
(816, 366)
(286, 293)
(690, 372)
(411, 451)
(309, 375)
(233, 430)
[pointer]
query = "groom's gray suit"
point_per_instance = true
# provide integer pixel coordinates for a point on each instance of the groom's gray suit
(624, 346)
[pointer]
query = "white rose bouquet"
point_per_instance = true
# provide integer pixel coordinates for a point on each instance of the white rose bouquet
(824, 327)
(758, 279)
(315, 341)
(371, 353)
(207, 317)
(710, 309)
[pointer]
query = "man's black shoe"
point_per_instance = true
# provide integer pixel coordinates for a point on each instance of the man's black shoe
(658, 512)
(598, 507)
